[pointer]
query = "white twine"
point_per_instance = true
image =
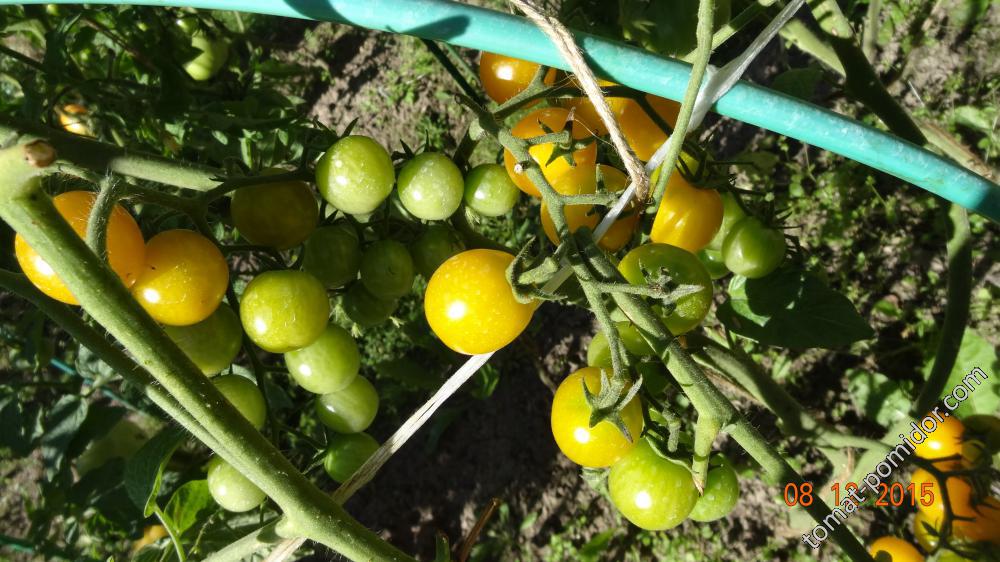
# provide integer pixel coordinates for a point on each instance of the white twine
(715, 85)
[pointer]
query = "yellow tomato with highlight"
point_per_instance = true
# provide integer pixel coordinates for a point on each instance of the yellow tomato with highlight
(688, 216)
(597, 446)
(504, 77)
(580, 181)
(555, 119)
(944, 441)
(184, 279)
(470, 305)
(75, 119)
(897, 550)
(126, 249)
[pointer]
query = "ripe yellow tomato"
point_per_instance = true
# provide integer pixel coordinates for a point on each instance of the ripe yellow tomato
(582, 180)
(641, 132)
(505, 77)
(73, 118)
(945, 441)
(184, 278)
(688, 216)
(555, 118)
(597, 446)
(125, 246)
(584, 110)
(925, 538)
(983, 524)
(470, 305)
(150, 535)
(897, 550)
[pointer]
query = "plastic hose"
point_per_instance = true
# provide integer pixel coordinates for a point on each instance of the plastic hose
(488, 30)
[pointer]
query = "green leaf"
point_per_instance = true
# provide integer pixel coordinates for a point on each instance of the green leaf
(20, 425)
(61, 425)
(144, 471)
(593, 550)
(981, 119)
(975, 352)
(442, 551)
(792, 308)
(880, 398)
(190, 504)
(410, 373)
(798, 82)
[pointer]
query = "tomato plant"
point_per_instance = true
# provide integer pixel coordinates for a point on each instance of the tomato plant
(539, 123)
(333, 255)
(489, 190)
(504, 77)
(387, 269)
(895, 550)
(350, 409)
(752, 249)
(184, 278)
(653, 492)
(284, 310)
(355, 175)
(649, 262)
(589, 445)
(431, 186)
(126, 248)
(244, 396)
(346, 453)
(470, 305)
(254, 213)
(231, 489)
(722, 491)
(326, 365)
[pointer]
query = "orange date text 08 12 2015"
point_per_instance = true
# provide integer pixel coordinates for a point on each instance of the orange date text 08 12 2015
(894, 495)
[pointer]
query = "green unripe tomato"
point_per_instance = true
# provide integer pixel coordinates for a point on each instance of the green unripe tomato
(652, 492)
(366, 309)
(351, 409)
(230, 489)
(431, 186)
(599, 351)
(333, 255)
(326, 365)
(438, 243)
(346, 454)
(214, 52)
(489, 190)
(211, 344)
(732, 213)
(722, 491)
(387, 269)
(684, 268)
(355, 175)
(244, 395)
(714, 263)
(279, 215)
(752, 249)
(284, 310)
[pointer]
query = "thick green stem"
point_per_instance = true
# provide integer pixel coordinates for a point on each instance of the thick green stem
(956, 316)
(30, 212)
(102, 157)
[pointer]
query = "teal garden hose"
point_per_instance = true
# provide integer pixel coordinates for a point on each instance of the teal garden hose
(479, 28)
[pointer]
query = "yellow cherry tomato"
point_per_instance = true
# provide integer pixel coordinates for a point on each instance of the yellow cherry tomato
(584, 110)
(150, 535)
(897, 550)
(74, 119)
(945, 441)
(983, 523)
(582, 180)
(640, 130)
(470, 305)
(688, 216)
(555, 118)
(597, 446)
(125, 246)
(925, 538)
(505, 77)
(184, 278)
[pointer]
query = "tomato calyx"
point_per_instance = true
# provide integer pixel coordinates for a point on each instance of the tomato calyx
(615, 393)
(527, 272)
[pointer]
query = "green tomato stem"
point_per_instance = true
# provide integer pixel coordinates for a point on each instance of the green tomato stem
(31, 213)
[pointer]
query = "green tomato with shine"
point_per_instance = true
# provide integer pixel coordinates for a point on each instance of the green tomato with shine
(351, 409)
(683, 268)
(284, 310)
(230, 489)
(713, 262)
(326, 365)
(211, 344)
(244, 395)
(732, 213)
(213, 53)
(355, 175)
(722, 491)
(752, 249)
(346, 453)
(431, 186)
(652, 492)
(438, 243)
(489, 190)
(387, 269)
